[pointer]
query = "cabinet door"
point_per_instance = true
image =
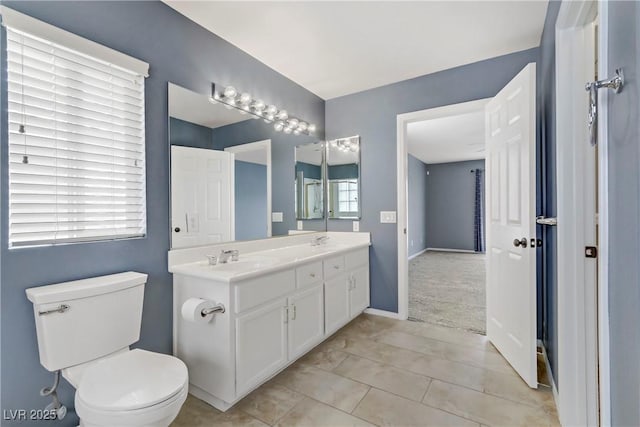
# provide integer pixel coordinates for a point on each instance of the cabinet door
(306, 321)
(261, 344)
(336, 303)
(359, 289)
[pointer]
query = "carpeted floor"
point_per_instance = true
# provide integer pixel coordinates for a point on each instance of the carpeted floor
(448, 289)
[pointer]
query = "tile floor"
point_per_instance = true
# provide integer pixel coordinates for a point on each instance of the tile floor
(384, 372)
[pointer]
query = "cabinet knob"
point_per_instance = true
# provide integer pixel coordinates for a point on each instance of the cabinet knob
(337, 267)
(312, 274)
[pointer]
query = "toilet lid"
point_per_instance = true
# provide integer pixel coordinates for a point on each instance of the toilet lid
(132, 380)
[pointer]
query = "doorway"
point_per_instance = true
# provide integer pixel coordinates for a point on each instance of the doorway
(446, 227)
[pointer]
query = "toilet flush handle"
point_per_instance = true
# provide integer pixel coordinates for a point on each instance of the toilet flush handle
(61, 309)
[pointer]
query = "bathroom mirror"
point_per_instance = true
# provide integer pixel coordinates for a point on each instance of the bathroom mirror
(343, 178)
(309, 181)
(230, 174)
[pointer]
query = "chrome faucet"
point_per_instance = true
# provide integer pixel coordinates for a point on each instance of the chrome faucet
(232, 254)
(319, 240)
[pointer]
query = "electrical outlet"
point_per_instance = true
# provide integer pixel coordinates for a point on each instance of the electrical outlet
(300, 227)
(356, 225)
(277, 217)
(388, 217)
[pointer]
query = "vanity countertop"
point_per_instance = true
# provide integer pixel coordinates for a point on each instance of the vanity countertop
(256, 263)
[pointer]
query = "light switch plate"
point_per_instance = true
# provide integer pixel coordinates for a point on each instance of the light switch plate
(388, 217)
(277, 217)
(300, 225)
(356, 225)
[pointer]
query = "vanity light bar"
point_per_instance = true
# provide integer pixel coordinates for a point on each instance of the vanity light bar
(258, 109)
(346, 145)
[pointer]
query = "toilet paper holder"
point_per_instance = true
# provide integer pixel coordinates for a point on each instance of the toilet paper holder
(218, 308)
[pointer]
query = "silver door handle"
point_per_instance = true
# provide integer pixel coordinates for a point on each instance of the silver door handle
(616, 83)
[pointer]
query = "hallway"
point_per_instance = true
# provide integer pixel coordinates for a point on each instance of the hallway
(448, 289)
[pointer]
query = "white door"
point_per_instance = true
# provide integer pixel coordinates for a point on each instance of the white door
(511, 244)
(261, 344)
(306, 321)
(202, 202)
(336, 303)
(359, 291)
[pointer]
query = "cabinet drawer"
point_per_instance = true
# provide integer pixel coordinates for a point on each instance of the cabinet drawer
(309, 274)
(333, 266)
(253, 292)
(356, 258)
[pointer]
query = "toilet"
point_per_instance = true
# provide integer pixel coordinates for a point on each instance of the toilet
(84, 329)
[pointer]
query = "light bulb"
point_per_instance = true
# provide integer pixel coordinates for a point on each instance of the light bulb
(258, 105)
(297, 132)
(245, 99)
(272, 110)
(287, 130)
(230, 92)
(283, 115)
(312, 128)
(293, 123)
(269, 117)
(246, 108)
(279, 125)
(303, 126)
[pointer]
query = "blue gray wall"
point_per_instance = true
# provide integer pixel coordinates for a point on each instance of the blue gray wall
(417, 205)
(451, 205)
(372, 115)
(179, 51)
(282, 166)
(187, 134)
(624, 214)
(251, 200)
(546, 190)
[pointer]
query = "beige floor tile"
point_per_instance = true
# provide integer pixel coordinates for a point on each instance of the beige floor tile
(270, 402)
(326, 387)
(310, 413)
(442, 333)
(484, 408)
(366, 326)
(473, 356)
(196, 413)
(514, 388)
(386, 409)
(385, 377)
(321, 358)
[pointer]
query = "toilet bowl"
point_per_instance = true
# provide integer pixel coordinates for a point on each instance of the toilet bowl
(133, 388)
(84, 330)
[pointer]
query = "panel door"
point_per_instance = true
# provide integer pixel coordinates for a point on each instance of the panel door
(336, 303)
(306, 320)
(261, 344)
(511, 254)
(202, 203)
(359, 291)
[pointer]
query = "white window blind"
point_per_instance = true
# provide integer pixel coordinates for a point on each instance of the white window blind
(76, 145)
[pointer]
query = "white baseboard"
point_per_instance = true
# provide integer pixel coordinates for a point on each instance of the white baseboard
(464, 251)
(554, 389)
(382, 313)
(418, 254)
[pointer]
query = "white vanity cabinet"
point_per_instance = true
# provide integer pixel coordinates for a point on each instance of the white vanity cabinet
(346, 292)
(271, 318)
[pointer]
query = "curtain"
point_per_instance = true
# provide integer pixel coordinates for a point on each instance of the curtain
(478, 217)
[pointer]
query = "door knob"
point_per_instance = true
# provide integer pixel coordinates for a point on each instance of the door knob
(177, 229)
(520, 242)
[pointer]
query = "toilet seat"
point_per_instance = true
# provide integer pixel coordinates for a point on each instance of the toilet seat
(132, 380)
(134, 388)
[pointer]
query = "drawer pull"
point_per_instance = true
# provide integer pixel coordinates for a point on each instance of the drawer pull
(312, 274)
(337, 267)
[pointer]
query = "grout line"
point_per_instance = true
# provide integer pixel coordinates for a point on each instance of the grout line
(360, 401)
(426, 391)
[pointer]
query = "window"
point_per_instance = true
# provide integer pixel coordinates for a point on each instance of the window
(76, 142)
(348, 196)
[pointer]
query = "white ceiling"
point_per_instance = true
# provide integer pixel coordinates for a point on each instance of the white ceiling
(338, 48)
(448, 139)
(196, 108)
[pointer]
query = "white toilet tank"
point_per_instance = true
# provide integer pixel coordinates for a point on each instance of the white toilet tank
(83, 320)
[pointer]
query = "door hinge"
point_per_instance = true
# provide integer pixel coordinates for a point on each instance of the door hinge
(591, 252)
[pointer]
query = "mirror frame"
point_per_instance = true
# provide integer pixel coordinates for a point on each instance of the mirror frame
(327, 147)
